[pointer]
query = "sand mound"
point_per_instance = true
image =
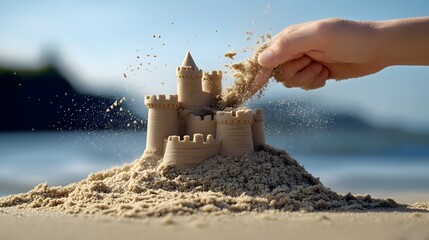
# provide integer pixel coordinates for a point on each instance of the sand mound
(268, 179)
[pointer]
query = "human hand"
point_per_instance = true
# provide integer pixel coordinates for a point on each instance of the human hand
(306, 55)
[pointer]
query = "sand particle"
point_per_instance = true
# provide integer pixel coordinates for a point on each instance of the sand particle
(230, 55)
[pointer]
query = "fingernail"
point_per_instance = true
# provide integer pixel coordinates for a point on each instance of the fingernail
(266, 58)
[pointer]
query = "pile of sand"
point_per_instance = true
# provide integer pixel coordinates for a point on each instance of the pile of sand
(268, 179)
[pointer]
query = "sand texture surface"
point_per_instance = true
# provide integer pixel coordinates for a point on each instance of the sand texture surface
(263, 195)
(268, 179)
(30, 224)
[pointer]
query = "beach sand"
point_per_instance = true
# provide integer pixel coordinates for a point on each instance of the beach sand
(30, 224)
(265, 195)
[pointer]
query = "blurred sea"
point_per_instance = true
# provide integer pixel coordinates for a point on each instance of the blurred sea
(381, 164)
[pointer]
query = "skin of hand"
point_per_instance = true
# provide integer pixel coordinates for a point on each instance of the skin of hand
(307, 54)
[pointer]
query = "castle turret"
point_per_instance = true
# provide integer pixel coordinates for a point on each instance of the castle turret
(189, 86)
(212, 84)
(186, 153)
(234, 130)
(258, 132)
(200, 124)
(162, 121)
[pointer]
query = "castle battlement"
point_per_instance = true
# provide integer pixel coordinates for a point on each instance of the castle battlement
(214, 75)
(152, 101)
(199, 118)
(189, 73)
(198, 138)
(188, 69)
(258, 116)
(205, 125)
(235, 117)
(186, 153)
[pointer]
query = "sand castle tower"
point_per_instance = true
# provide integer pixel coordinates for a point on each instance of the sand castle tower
(212, 84)
(235, 132)
(162, 121)
(258, 132)
(189, 85)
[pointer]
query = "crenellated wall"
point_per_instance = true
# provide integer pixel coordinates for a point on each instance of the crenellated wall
(162, 121)
(189, 72)
(186, 153)
(234, 130)
(200, 124)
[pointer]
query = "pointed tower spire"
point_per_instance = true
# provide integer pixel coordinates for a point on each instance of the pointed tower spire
(189, 61)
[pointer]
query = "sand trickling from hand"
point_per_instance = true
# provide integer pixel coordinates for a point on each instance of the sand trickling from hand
(244, 74)
(268, 179)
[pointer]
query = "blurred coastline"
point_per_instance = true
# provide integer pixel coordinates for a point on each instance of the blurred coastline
(45, 98)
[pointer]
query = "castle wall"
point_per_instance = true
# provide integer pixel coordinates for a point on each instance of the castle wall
(197, 124)
(183, 117)
(186, 153)
(234, 130)
(258, 132)
(162, 121)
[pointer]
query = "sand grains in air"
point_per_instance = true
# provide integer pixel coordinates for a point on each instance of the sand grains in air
(244, 74)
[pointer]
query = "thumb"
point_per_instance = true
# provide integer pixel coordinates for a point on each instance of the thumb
(289, 44)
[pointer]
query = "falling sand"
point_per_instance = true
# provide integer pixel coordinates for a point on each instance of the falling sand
(230, 55)
(248, 74)
(245, 73)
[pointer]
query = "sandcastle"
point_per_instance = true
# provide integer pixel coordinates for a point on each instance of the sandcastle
(185, 131)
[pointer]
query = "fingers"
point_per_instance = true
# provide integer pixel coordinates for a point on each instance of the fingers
(306, 76)
(290, 43)
(303, 73)
(319, 81)
(289, 69)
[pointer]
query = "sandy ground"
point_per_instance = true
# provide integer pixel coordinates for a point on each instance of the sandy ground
(400, 196)
(404, 224)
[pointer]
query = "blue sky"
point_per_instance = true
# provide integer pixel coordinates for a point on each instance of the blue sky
(99, 41)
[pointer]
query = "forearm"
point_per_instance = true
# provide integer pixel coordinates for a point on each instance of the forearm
(404, 41)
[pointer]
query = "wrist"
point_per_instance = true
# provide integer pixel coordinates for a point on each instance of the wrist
(385, 44)
(403, 41)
